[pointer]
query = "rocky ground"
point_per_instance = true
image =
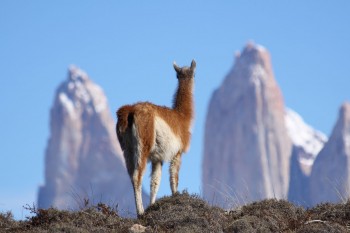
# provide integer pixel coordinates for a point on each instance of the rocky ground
(188, 213)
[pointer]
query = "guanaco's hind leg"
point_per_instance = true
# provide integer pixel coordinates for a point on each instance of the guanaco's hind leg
(137, 184)
(174, 172)
(155, 179)
(144, 136)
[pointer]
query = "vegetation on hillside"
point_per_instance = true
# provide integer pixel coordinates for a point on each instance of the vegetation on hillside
(188, 213)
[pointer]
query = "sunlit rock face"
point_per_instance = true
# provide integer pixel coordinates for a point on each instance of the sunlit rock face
(83, 159)
(330, 176)
(246, 145)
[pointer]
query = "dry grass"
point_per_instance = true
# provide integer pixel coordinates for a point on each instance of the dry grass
(183, 213)
(100, 218)
(266, 216)
(188, 213)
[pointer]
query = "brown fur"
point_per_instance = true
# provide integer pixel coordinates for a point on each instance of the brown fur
(142, 115)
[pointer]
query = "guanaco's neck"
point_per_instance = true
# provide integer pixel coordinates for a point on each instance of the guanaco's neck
(183, 99)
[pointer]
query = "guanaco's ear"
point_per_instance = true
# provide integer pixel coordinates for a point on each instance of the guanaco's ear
(193, 65)
(177, 69)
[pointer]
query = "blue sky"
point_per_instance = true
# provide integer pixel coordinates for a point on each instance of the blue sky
(128, 49)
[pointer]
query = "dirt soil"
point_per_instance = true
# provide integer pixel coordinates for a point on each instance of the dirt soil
(188, 213)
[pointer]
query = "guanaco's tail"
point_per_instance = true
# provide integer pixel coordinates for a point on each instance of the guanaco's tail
(125, 116)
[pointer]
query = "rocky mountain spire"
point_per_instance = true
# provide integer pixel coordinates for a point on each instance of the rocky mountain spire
(330, 176)
(83, 158)
(307, 143)
(246, 146)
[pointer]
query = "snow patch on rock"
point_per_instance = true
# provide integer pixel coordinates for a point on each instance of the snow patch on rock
(303, 135)
(67, 104)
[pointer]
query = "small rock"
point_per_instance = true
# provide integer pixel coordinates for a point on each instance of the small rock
(137, 228)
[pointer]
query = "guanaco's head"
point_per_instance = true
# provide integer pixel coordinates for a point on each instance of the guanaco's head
(185, 72)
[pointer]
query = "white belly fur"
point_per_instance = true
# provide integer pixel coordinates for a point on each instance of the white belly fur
(167, 144)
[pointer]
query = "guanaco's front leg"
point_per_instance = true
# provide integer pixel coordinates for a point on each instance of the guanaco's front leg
(174, 172)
